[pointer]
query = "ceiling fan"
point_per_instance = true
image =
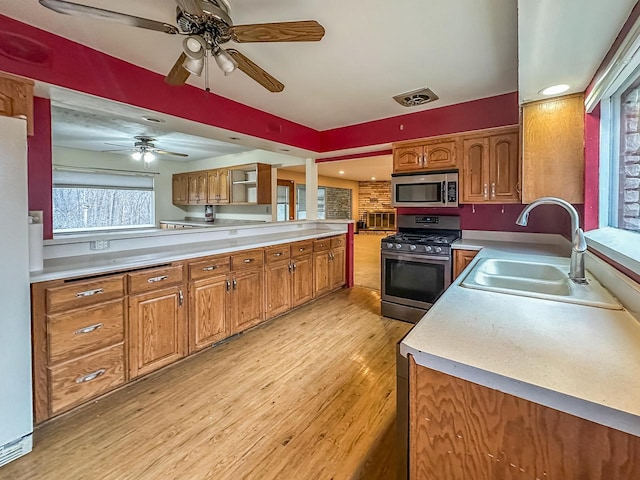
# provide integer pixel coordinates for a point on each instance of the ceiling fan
(144, 149)
(206, 25)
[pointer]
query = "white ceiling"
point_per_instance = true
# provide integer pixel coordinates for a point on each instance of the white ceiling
(372, 50)
(565, 41)
(378, 168)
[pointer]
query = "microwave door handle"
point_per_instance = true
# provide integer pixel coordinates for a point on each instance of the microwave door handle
(444, 192)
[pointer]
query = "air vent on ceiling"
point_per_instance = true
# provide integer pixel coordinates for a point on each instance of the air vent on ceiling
(416, 97)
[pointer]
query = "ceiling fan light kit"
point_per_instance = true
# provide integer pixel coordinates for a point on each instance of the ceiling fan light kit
(207, 24)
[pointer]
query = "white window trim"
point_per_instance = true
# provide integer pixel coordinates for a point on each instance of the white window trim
(621, 246)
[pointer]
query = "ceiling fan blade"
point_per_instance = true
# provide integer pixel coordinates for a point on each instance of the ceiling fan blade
(177, 75)
(192, 7)
(255, 72)
(175, 154)
(304, 31)
(120, 150)
(116, 145)
(71, 8)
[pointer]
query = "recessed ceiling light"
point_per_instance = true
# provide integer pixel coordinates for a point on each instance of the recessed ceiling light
(341, 172)
(555, 89)
(152, 119)
(373, 178)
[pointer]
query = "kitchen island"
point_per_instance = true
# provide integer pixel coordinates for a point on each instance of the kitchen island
(502, 382)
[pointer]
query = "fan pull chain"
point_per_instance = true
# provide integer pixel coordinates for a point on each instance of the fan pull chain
(206, 71)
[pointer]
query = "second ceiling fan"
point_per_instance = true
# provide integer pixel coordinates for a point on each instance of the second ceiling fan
(206, 25)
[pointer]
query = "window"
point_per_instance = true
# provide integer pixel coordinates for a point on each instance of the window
(301, 202)
(87, 200)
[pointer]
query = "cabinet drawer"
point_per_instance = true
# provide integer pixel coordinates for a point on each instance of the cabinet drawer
(209, 268)
(277, 254)
(82, 293)
(299, 249)
(322, 245)
(82, 331)
(154, 279)
(339, 241)
(87, 377)
(248, 259)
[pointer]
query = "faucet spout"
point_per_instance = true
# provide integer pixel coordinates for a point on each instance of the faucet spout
(578, 242)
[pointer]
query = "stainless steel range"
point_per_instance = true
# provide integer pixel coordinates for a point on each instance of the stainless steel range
(417, 264)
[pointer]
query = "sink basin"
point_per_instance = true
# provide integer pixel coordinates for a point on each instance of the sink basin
(532, 278)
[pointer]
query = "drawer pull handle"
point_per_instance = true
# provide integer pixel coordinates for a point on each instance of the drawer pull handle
(208, 269)
(279, 254)
(235, 284)
(248, 260)
(157, 279)
(88, 293)
(89, 329)
(91, 376)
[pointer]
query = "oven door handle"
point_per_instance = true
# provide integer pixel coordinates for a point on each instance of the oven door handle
(415, 257)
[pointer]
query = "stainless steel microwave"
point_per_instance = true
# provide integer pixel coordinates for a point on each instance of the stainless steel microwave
(424, 189)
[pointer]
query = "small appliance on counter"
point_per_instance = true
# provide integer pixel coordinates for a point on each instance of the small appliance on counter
(209, 215)
(417, 264)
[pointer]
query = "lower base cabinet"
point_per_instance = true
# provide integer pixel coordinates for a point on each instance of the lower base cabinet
(156, 330)
(462, 258)
(93, 334)
(458, 429)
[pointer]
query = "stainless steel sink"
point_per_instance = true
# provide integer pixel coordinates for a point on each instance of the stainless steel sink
(533, 278)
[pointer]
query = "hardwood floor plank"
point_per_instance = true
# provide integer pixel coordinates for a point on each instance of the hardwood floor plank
(309, 395)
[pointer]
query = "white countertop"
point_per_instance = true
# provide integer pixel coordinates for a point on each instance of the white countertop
(82, 265)
(577, 359)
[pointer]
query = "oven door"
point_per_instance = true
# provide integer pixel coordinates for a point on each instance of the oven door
(414, 280)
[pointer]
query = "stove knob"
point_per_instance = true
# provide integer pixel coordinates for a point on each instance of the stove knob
(412, 247)
(437, 249)
(389, 245)
(398, 246)
(427, 248)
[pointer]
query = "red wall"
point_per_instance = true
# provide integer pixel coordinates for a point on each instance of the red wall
(39, 163)
(543, 219)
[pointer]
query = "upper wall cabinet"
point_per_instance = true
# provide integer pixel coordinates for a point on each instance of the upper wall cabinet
(490, 171)
(437, 154)
(240, 185)
(16, 98)
(553, 149)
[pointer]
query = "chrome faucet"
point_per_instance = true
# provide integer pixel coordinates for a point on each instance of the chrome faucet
(578, 242)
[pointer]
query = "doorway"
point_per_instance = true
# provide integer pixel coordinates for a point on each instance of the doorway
(286, 200)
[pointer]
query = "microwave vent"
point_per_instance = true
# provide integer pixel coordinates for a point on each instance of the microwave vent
(416, 97)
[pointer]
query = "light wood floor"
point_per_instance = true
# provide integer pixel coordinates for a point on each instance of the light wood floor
(310, 395)
(366, 260)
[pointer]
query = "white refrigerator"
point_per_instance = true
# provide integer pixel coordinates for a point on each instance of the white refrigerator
(16, 417)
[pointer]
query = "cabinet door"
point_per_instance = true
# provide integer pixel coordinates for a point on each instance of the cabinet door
(278, 286)
(476, 181)
(156, 330)
(247, 299)
(180, 187)
(201, 186)
(462, 258)
(504, 168)
(302, 281)
(223, 186)
(337, 268)
(321, 275)
(407, 158)
(439, 155)
(208, 308)
(212, 187)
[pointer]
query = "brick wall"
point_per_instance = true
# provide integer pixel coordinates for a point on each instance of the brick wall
(374, 196)
(338, 203)
(629, 191)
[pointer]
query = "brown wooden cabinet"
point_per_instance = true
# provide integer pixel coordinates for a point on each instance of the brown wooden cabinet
(16, 98)
(337, 268)
(458, 429)
(278, 280)
(302, 279)
(462, 258)
(157, 334)
(329, 264)
(78, 341)
(247, 299)
(198, 190)
(491, 167)
(435, 154)
(180, 189)
(218, 186)
(553, 149)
